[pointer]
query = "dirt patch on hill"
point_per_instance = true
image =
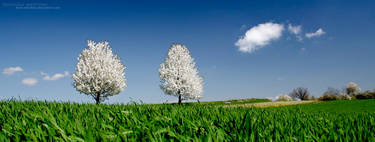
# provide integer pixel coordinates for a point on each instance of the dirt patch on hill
(272, 104)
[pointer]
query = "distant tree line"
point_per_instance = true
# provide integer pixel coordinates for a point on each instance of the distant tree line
(351, 91)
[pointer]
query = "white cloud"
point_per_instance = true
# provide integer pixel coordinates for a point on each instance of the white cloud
(319, 32)
(12, 70)
(295, 29)
(30, 81)
(259, 36)
(55, 76)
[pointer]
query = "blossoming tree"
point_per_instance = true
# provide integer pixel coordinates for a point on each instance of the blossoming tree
(179, 76)
(99, 72)
(352, 88)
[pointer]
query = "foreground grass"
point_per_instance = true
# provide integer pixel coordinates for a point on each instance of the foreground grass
(326, 121)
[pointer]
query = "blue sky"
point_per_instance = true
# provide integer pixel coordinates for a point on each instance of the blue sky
(47, 36)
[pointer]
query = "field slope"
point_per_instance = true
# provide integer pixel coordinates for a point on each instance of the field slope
(326, 121)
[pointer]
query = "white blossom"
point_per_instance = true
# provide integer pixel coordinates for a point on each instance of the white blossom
(179, 76)
(99, 72)
(284, 98)
(344, 96)
(352, 88)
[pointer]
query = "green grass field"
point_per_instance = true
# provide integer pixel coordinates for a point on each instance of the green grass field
(325, 121)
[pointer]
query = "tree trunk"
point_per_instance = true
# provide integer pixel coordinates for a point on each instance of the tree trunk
(97, 99)
(179, 99)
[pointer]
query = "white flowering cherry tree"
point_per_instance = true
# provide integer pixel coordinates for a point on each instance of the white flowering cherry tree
(179, 76)
(99, 72)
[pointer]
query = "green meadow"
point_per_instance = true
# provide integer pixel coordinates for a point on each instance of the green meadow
(54, 121)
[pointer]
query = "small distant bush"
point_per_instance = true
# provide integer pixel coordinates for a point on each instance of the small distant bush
(333, 91)
(334, 94)
(352, 91)
(365, 95)
(284, 98)
(345, 97)
(328, 97)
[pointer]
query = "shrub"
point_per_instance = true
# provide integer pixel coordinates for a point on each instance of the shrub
(328, 97)
(334, 94)
(284, 98)
(365, 95)
(333, 91)
(345, 97)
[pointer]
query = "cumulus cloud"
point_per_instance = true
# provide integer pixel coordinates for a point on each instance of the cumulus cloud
(259, 36)
(55, 76)
(319, 32)
(29, 81)
(12, 70)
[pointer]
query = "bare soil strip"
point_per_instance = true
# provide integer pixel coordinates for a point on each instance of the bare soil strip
(272, 104)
